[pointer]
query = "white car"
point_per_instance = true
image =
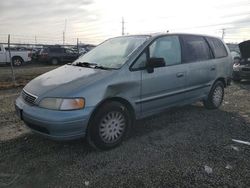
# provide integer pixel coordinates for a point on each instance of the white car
(17, 57)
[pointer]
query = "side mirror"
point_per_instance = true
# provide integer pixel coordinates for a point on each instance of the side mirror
(155, 62)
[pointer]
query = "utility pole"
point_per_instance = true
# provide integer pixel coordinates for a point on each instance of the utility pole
(123, 26)
(223, 33)
(77, 44)
(35, 40)
(63, 37)
(64, 31)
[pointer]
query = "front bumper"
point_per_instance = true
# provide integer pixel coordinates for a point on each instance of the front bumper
(241, 74)
(56, 125)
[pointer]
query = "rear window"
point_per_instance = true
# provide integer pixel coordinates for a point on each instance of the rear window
(195, 48)
(218, 47)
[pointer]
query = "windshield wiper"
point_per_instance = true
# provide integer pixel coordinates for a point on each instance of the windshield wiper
(85, 64)
(104, 68)
(91, 65)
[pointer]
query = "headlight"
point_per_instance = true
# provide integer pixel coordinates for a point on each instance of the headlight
(62, 104)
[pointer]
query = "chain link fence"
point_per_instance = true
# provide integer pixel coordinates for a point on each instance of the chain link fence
(19, 63)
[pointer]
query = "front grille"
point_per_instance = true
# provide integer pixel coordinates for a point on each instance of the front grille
(245, 69)
(29, 98)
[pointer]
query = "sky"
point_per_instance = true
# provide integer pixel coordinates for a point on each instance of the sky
(93, 21)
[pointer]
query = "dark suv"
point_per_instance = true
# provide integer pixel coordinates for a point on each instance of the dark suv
(56, 55)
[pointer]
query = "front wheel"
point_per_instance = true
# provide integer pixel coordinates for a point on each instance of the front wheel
(215, 96)
(109, 126)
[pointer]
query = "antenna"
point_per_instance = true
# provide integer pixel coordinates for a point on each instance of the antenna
(223, 33)
(123, 26)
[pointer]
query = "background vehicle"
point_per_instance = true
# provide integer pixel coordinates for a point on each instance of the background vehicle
(83, 48)
(241, 67)
(17, 57)
(56, 54)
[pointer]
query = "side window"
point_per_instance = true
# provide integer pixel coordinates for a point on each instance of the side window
(141, 61)
(168, 48)
(195, 48)
(57, 50)
(217, 47)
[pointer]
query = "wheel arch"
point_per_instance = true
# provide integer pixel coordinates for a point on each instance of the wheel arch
(223, 80)
(116, 99)
(16, 56)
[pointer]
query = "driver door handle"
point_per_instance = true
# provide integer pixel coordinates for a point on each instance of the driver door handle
(179, 74)
(212, 68)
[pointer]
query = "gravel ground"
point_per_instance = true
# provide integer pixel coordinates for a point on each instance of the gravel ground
(182, 147)
(22, 74)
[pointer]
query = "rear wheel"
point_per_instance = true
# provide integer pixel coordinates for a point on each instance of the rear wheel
(54, 61)
(215, 96)
(17, 61)
(109, 126)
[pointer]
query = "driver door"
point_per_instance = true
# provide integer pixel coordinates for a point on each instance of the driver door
(164, 87)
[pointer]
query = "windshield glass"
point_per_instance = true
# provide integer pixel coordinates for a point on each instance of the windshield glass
(114, 52)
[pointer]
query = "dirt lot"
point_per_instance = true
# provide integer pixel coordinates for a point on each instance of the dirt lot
(183, 147)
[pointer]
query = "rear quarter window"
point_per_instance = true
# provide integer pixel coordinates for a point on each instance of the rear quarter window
(218, 47)
(195, 48)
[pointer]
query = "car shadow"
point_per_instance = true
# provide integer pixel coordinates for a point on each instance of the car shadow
(188, 128)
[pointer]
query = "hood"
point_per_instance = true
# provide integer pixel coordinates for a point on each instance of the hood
(64, 80)
(245, 49)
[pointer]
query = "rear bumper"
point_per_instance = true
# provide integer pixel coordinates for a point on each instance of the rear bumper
(53, 124)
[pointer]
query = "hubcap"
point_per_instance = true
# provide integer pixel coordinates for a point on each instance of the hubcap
(112, 127)
(217, 96)
(17, 62)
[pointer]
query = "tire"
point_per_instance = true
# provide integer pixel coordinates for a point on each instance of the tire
(215, 96)
(236, 78)
(17, 61)
(54, 61)
(109, 126)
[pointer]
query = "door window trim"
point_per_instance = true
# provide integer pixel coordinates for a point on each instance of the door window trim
(211, 54)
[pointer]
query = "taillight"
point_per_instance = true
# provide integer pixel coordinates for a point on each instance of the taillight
(29, 54)
(44, 54)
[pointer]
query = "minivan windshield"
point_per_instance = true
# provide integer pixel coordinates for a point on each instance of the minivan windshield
(112, 53)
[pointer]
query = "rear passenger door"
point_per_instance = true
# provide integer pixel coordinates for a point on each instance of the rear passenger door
(197, 56)
(164, 87)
